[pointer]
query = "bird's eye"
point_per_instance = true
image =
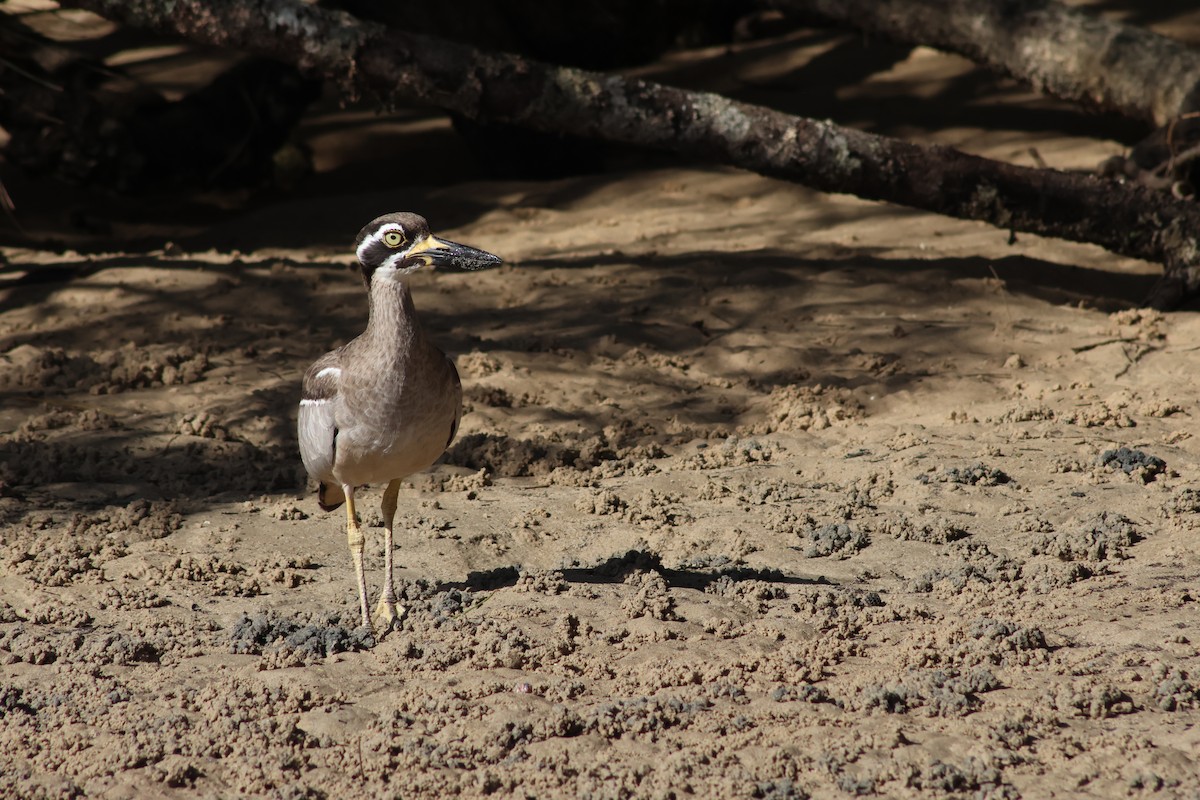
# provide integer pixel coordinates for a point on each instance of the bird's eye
(393, 238)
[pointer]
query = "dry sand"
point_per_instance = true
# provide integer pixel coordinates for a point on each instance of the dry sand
(758, 493)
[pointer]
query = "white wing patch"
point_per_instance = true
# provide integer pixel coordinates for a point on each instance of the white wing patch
(308, 402)
(335, 371)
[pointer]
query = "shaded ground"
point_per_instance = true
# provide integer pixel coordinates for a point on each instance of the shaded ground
(759, 493)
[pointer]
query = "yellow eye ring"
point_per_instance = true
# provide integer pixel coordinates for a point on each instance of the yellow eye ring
(393, 238)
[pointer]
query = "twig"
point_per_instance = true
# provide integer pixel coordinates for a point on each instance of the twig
(1131, 361)
(1083, 348)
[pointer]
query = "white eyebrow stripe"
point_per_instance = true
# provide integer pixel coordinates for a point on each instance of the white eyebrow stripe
(313, 402)
(328, 371)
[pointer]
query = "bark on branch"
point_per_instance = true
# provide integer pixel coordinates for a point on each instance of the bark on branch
(1064, 51)
(393, 66)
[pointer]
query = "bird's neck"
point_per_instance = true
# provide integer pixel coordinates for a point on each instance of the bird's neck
(392, 318)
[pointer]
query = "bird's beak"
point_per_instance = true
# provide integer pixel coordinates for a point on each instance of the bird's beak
(437, 252)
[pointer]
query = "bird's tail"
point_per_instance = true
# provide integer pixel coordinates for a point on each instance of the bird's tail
(330, 496)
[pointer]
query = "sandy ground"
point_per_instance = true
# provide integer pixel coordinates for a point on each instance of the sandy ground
(758, 493)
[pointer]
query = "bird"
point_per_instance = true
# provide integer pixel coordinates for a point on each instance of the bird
(388, 403)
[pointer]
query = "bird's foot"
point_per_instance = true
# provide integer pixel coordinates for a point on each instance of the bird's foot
(387, 617)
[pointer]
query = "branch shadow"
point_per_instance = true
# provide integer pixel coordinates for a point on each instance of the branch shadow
(1044, 280)
(617, 568)
(835, 83)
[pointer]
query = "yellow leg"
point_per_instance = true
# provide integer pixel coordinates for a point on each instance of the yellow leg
(386, 613)
(355, 538)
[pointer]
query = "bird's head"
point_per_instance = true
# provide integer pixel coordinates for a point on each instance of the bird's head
(399, 244)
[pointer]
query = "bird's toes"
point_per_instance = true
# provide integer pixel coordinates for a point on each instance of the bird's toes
(387, 618)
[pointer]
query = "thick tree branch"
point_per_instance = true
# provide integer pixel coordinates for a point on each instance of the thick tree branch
(393, 66)
(1063, 51)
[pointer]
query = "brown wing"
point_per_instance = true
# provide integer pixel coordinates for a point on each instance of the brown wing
(316, 426)
(458, 404)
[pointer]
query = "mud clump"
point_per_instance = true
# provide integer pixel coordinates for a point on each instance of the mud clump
(980, 565)
(1106, 536)
(975, 475)
(34, 644)
(549, 582)
(652, 597)
(983, 642)
(59, 554)
(733, 452)
(510, 457)
(834, 539)
(649, 509)
(202, 424)
(140, 520)
(91, 419)
(934, 531)
(1003, 642)
(1133, 462)
(804, 693)
(600, 502)
(191, 467)
(973, 774)
(104, 372)
(305, 640)
(1185, 503)
(808, 408)
(1174, 689)
(1091, 698)
(224, 578)
(643, 715)
(757, 594)
(941, 693)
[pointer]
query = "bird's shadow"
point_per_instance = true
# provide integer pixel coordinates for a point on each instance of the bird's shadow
(616, 568)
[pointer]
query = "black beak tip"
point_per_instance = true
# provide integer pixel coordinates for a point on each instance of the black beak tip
(462, 257)
(483, 261)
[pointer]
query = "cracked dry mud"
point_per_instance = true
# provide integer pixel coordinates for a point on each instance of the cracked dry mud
(845, 513)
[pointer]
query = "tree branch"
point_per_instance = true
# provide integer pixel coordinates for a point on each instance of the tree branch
(1063, 51)
(394, 66)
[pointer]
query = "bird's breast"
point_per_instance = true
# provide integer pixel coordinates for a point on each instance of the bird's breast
(394, 420)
